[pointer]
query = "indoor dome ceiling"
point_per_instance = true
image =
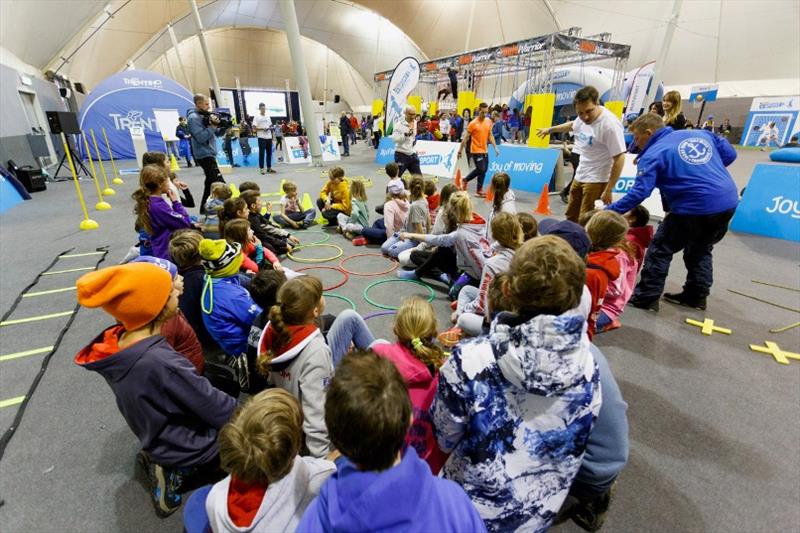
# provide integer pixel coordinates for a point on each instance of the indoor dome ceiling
(710, 42)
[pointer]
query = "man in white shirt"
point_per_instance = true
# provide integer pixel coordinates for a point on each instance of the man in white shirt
(263, 126)
(600, 140)
(444, 127)
(404, 134)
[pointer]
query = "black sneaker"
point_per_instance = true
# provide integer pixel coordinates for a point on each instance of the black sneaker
(591, 514)
(648, 305)
(164, 490)
(681, 298)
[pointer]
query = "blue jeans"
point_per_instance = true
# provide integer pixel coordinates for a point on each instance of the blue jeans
(349, 329)
(376, 234)
(696, 235)
(306, 217)
(345, 144)
(394, 246)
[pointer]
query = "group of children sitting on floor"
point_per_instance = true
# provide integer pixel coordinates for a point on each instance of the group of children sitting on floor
(281, 417)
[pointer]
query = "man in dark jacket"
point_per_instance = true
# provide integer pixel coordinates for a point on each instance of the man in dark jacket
(202, 128)
(345, 130)
(700, 197)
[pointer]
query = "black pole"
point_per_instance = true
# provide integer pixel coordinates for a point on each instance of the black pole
(700, 116)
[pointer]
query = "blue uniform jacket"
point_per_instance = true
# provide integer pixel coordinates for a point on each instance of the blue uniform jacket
(688, 167)
(204, 141)
(228, 313)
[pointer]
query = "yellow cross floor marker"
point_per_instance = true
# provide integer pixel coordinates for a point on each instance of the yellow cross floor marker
(80, 255)
(707, 326)
(11, 401)
(785, 328)
(53, 272)
(51, 291)
(35, 318)
(17, 355)
(775, 351)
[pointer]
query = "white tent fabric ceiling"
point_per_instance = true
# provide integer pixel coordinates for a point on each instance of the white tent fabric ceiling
(715, 40)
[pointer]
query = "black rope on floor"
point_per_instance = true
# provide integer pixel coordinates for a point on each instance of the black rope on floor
(9, 433)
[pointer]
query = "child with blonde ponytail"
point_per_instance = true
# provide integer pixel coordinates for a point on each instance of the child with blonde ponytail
(418, 359)
(293, 355)
(269, 484)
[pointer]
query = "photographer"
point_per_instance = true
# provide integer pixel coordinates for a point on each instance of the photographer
(202, 128)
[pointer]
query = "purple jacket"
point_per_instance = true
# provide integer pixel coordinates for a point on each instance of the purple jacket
(164, 219)
(406, 497)
(175, 413)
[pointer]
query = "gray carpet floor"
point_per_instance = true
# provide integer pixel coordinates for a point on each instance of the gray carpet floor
(714, 427)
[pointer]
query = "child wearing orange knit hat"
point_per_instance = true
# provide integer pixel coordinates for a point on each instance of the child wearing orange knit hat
(174, 412)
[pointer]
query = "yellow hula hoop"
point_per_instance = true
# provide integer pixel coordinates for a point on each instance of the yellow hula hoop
(322, 260)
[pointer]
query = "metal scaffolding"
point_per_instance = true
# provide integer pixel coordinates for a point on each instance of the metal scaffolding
(537, 58)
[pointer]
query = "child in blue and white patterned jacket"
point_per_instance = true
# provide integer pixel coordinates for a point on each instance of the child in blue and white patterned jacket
(515, 408)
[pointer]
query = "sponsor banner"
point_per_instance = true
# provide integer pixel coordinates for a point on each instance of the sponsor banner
(404, 79)
(127, 100)
(530, 168)
(385, 152)
(707, 93)
(776, 103)
(296, 155)
(639, 86)
(768, 129)
(590, 46)
(769, 206)
(625, 183)
(239, 158)
(435, 157)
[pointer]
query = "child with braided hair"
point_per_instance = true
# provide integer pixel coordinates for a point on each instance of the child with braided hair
(293, 355)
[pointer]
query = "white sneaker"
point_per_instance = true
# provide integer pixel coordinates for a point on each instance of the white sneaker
(263, 171)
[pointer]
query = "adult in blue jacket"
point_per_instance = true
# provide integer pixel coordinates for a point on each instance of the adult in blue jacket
(202, 128)
(699, 195)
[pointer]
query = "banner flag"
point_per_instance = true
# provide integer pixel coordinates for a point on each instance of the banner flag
(404, 79)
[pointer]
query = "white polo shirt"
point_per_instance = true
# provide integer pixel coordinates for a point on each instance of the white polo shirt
(264, 125)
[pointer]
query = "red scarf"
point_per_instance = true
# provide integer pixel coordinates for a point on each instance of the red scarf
(244, 500)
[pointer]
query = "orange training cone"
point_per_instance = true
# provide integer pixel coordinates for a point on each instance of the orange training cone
(490, 195)
(544, 203)
(459, 184)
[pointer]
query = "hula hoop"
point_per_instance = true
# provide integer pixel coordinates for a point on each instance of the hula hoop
(379, 313)
(340, 297)
(340, 271)
(346, 259)
(326, 238)
(382, 281)
(322, 260)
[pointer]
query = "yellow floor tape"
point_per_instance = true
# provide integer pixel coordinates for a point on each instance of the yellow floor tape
(26, 353)
(11, 401)
(52, 272)
(35, 318)
(51, 291)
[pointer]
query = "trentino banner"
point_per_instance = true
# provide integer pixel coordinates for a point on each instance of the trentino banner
(404, 79)
(127, 100)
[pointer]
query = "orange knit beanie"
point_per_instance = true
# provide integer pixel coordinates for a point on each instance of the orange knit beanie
(134, 294)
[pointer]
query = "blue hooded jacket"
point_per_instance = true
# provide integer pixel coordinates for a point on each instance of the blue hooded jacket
(228, 313)
(688, 167)
(406, 497)
(204, 140)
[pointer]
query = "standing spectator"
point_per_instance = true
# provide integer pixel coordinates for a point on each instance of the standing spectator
(353, 128)
(444, 126)
(263, 126)
(672, 111)
(479, 133)
(202, 130)
(700, 197)
(725, 129)
(279, 140)
(600, 140)
(657, 108)
(344, 131)
(403, 134)
(526, 124)
(497, 128)
(182, 133)
(377, 131)
(708, 125)
(513, 125)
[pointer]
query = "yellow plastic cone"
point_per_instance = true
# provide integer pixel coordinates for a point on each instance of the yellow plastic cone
(173, 163)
